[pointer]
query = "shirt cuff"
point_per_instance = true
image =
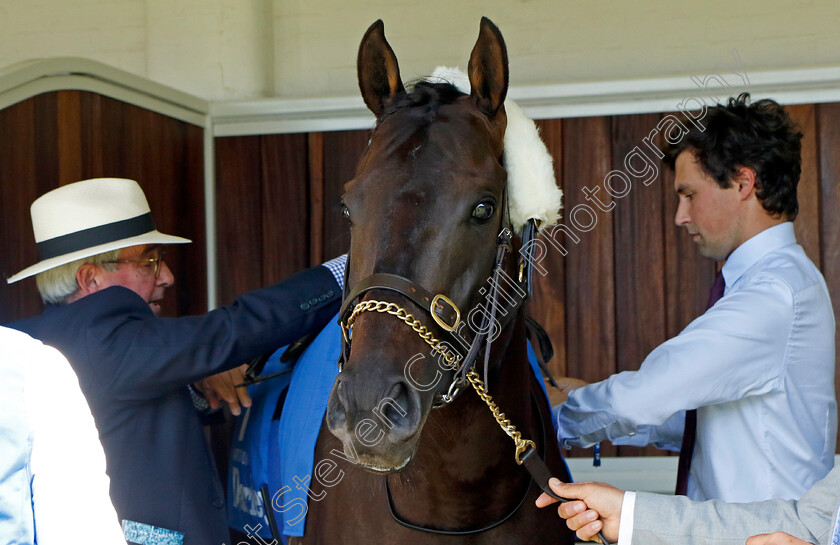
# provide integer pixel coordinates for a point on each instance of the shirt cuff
(336, 267)
(198, 400)
(625, 523)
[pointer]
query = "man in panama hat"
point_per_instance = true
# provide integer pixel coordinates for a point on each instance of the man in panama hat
(102, 275)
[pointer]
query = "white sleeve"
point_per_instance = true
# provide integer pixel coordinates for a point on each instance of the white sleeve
(735, 350)
(70, 494)
(625, 524)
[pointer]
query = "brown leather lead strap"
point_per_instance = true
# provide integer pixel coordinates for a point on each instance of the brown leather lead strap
(541, 475)
(539, 472)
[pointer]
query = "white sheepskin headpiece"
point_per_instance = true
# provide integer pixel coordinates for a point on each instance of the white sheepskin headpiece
(532, 189)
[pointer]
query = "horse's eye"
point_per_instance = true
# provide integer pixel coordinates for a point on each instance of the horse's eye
(483, 211)
(345, 212)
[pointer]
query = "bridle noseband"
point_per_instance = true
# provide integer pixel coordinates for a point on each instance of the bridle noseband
(444, 312)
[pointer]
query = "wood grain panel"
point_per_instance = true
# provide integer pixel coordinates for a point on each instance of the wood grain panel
(828, 122)
(238, 215)
(590, 271)
(94, 147)
(639, 248)
(548, 305)
(285, 213)
(188, 215)
(69, 148)
(639, 243)
(45, 145)
(807, 223)
(19, 169)
(315, 146)
(342, 151)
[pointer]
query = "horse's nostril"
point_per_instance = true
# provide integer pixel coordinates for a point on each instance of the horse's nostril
(341, 391)
(337, 408)
(399, 411)
(394, 407)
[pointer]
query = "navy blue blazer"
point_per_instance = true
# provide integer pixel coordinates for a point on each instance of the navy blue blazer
(134, 367)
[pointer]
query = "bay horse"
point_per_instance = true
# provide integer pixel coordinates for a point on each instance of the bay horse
(428, 214)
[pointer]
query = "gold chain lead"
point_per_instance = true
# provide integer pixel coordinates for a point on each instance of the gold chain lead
(501, 419)
(452, 361)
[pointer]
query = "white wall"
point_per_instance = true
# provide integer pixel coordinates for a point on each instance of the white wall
(111, 31)
(242, 49)
(213, 49)
(554, 41)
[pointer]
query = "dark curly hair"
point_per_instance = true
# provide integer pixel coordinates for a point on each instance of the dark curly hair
(758, 135)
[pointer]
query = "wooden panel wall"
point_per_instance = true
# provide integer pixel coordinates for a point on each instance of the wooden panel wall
(262, 211)
(627, 282)
(65, 136)
(278, 204)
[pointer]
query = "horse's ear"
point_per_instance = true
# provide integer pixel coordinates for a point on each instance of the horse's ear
(488, 69)
(379, 73)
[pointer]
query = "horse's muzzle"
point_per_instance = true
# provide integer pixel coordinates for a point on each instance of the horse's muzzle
(378, 418)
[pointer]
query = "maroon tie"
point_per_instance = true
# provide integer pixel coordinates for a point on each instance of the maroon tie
(690, 432)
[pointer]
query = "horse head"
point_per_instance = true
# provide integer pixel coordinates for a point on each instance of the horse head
(426, 207)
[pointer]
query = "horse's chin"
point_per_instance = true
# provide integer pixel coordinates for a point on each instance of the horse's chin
(377, 465)
(389, 460)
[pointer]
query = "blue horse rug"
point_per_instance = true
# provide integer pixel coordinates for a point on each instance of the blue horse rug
(272, 459)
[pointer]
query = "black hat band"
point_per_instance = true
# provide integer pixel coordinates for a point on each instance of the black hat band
(94, 236)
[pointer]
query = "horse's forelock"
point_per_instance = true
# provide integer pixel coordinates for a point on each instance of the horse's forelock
(430, 95)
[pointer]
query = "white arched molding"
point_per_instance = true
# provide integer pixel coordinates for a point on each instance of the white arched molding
(21, 81)
(24, 80)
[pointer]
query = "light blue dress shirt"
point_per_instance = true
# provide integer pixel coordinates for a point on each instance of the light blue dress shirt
(759, 368)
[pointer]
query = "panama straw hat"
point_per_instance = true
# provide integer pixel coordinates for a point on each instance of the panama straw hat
(90, 217)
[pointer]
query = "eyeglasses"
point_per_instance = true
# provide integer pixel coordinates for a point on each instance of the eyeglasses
(147, 262)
